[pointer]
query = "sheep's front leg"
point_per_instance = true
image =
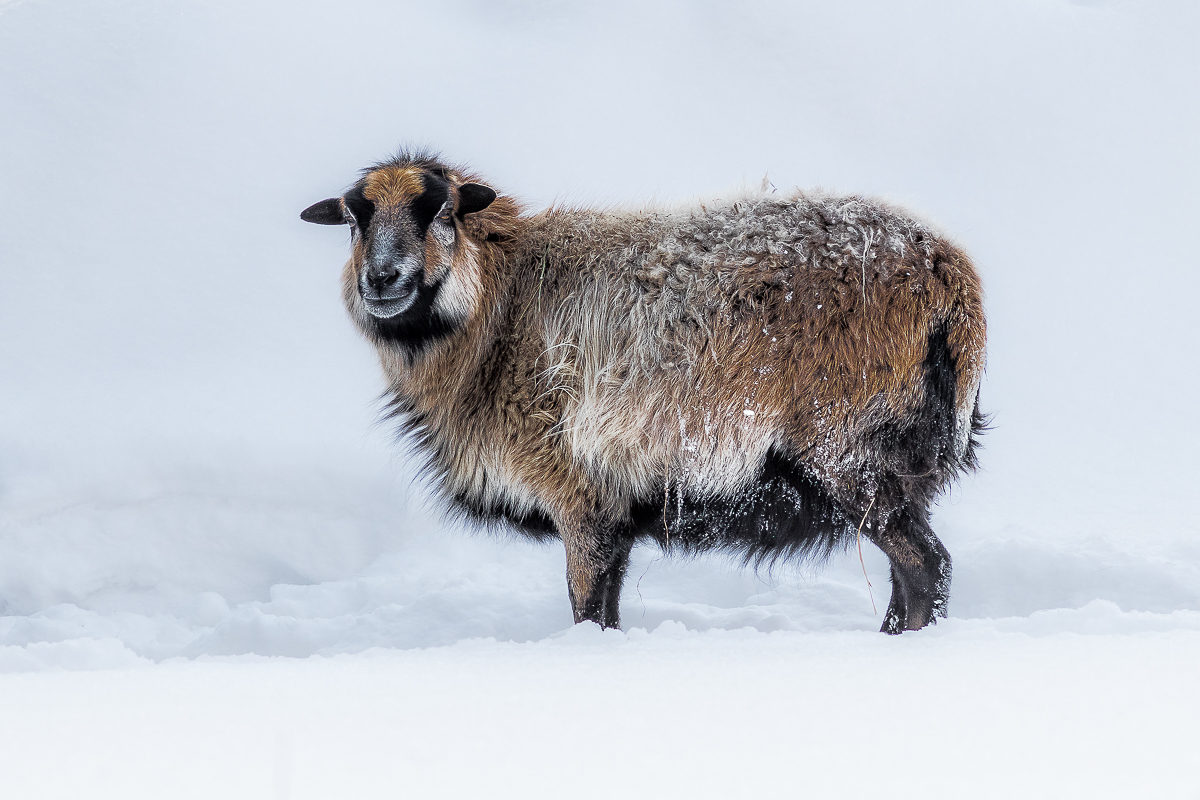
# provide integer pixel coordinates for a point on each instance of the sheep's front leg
(597, 558)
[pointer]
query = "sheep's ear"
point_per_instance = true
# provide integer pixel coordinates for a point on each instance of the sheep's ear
(326, 212)
(473, 197)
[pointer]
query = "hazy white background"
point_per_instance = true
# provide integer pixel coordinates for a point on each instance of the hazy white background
(190, 468)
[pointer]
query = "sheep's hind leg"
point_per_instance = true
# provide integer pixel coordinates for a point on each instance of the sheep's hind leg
(920, 570)
(897, 611)
(596, 563)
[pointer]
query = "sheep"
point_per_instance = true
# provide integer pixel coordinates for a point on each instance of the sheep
(768, 375)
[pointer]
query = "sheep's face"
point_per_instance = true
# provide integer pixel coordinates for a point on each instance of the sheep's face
(409, 271)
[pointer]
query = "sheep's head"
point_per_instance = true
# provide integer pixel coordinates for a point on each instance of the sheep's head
(413, 274)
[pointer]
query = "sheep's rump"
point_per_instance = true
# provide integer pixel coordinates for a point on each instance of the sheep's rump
(788, 510)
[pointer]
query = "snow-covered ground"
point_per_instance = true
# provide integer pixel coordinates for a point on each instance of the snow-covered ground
(218, 578)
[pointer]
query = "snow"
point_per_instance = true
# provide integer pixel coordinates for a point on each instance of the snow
(673, 713)
(218, 577)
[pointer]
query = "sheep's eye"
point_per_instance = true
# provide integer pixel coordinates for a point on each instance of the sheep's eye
(358, 211)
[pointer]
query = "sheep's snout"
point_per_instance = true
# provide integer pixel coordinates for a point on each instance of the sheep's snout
(388, 288)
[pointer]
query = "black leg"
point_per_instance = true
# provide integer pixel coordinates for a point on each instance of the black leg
(920, 570)
(893, 620)
(611, 580)
(596, 563)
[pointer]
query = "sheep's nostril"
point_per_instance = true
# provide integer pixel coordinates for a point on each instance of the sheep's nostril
(381, 279)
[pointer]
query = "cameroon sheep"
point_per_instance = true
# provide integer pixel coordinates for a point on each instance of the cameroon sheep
(768, 375)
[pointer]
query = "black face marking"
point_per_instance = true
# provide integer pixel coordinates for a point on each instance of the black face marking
(362, 208)
(473, 197)
(425, 206)
(326, 212)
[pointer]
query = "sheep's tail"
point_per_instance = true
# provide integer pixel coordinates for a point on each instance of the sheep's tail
(957, 352)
